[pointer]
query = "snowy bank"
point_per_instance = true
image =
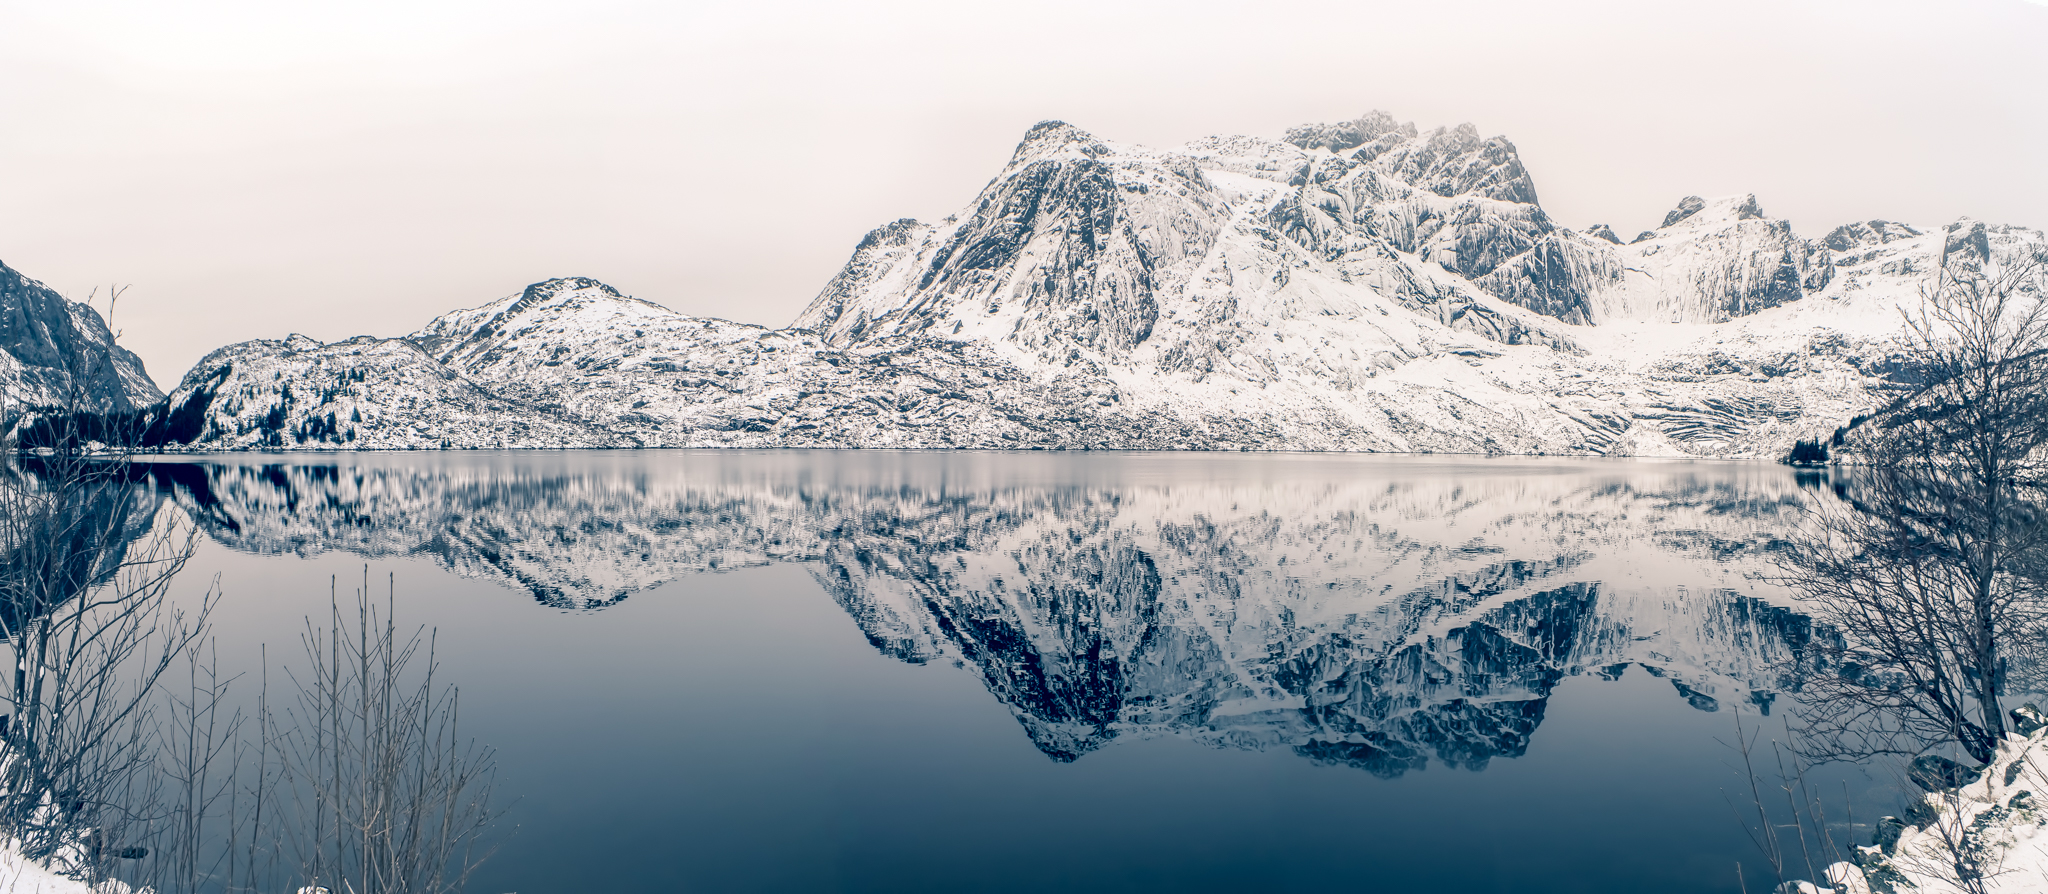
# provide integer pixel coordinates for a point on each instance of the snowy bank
(20, 875)
(1988, 826)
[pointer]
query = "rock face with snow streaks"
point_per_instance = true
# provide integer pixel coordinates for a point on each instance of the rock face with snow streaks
(60, 353)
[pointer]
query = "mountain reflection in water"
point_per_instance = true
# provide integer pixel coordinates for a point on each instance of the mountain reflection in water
(1370, 613)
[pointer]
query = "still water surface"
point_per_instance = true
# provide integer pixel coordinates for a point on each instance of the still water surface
(867, 671)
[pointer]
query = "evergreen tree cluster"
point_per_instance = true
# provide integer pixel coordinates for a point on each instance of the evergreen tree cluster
(1808, 453)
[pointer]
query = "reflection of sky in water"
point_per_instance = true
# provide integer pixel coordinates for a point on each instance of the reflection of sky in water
(1249, 673)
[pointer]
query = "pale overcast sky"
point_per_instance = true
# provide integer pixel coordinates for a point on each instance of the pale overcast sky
(253, 169)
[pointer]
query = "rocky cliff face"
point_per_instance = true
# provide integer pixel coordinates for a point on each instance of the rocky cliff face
(1084, 247)
(1375, 617)
(56, 353)
(1363, 286)
(1711, 262)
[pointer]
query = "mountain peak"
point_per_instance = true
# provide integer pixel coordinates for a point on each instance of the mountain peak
(1348, 134)
(1687, 207)
(546, 289)
(1721, 210)
(1967, 240)
(1867, 232)
(1051, 136)
(566, 292)
(63, 352)
(562, 297)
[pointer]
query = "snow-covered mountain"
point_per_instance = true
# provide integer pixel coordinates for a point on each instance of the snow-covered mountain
(1359, 286)
(363, 393)
(578, 348)
(1372, 615)
(57, 353)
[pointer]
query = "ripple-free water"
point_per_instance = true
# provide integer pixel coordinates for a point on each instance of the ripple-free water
(870, 671)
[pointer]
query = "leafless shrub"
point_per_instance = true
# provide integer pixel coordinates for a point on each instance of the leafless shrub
(1809, 842)
(1928, 577)
(388, 798)
(86, 563)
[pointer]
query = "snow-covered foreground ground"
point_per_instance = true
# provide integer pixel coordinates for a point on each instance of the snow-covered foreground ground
(19, 875)
(1995, 822)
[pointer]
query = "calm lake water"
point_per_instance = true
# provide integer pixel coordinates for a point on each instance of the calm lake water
(870, 671)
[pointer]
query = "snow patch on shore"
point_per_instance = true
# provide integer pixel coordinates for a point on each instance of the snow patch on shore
(1993, 826)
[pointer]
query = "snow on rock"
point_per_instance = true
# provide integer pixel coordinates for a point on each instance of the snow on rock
(20, 875)
(1711, 262)
(361, 394)
(60, 353)
(1359, 286)
(1995, 824)
(579, 349)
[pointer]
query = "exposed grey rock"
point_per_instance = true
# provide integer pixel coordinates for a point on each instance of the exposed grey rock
(1886, 837)
(1456, 162)
(1849, 237)
(1968, 241)
(2028, 720)
(1687, 207)
(1350, 134)
(1559, 276)
(1935, 773)
(1603, 231)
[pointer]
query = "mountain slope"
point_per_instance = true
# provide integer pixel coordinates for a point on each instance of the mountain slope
(360, 394)
(60, 353)
(1360, 286)
(579, 348)
(1284, 276)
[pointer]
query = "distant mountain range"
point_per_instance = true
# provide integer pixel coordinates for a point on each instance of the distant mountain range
(1359, 286)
